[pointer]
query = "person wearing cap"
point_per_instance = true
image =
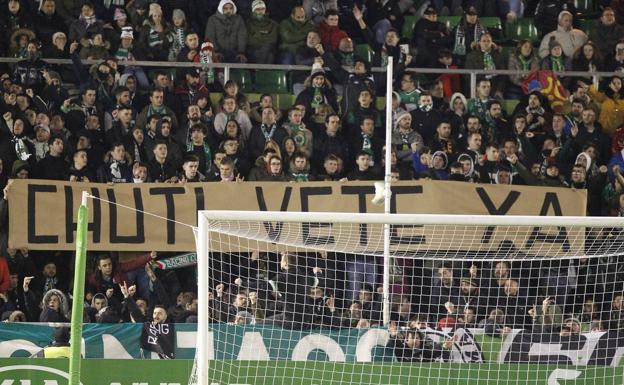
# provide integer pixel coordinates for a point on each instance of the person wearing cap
(318, 90)
(227, 31)
(571, 39)
(262, 35)
(556, 60)
(405, 140)
(48, 22)
(467, 34)
(179, 31)
(429, 37)
(154, 36)
(125, 49)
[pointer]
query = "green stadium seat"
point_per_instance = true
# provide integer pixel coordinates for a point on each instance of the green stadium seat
(588, 25)
(493, 25)
(509, 105)
(243, 78)
(450, 21)
(583, 5)
(523, 29)
(272, 82)
(408, 26)
(364, 51)
(285, 101)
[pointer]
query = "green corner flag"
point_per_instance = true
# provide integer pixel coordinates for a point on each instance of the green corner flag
(78, 298)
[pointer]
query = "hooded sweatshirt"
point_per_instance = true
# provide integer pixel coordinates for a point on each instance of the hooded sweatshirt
(228, 33)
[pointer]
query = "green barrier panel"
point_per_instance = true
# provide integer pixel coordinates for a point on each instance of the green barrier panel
(20, 371)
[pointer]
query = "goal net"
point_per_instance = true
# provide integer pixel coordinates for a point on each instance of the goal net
(328, 299)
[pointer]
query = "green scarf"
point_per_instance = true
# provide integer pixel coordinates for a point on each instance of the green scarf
(488, 61)
(526, 62)
(317, 99)
(557, 63)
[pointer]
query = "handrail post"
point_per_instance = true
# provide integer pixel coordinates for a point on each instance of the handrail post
(226, 74)
(473, 85)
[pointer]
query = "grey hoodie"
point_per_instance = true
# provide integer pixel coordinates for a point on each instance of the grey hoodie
(227, 33)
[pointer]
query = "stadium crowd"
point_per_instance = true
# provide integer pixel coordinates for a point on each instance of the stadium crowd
(114, 122)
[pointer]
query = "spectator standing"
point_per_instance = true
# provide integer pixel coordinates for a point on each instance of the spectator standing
(467, 34)
(430, 36)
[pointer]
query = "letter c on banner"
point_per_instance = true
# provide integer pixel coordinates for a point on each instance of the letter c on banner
(317, 342)
(367, 342)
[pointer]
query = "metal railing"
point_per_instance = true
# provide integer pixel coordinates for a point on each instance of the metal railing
(227, 67)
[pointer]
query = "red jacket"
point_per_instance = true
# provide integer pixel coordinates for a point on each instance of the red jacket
(331, 36)
(5, 280)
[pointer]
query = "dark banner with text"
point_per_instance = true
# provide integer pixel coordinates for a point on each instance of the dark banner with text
(42, 214)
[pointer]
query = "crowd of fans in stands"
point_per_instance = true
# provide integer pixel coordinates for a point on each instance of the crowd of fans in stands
(111, 122)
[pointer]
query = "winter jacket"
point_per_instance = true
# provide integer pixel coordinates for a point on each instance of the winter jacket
(570, 41)
(293, 34)
(605, 37)
(331, 36)
(611, 116)
(516, 65)
(5, 282)
(79, 29)
(261, 32)
(227, 33)
(474, 59)
(257, 140)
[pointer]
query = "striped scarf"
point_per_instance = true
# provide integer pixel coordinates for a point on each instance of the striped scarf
(488, 61)
(460, 38)
(154, 39)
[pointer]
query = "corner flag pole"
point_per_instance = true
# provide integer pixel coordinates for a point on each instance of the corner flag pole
(78, 298)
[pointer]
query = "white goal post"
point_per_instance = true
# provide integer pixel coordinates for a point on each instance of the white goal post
(480, 233)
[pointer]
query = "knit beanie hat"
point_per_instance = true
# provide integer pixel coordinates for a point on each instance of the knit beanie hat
(317, 70)
(257, 4)
(154, 8)
(552, 43)
(179, 13)
(127, 32)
